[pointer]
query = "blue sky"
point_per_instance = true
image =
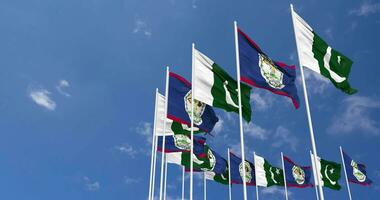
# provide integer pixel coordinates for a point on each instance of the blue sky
(78, 78)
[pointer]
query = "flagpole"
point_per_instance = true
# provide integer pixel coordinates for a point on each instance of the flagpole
(192, 122)
(283, 169)
(229, 175)
(183, 182)
(166, 177)
(240, 110)
(151, 185)
(154, 166)
(257, 188)
(164, 132)
(204, 186)
(345, 172)
(314, 148)
(314, 176)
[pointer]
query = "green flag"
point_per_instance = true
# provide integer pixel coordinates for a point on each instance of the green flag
(213, 86)
(219, 178)
(329, 172)
(266, 174)
(317, 55)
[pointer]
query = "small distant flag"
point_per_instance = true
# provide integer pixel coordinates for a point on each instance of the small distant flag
(258, 70)
(179, 105)
(237, 168)
(356, 173)
(317, 55)
(219, 178)
(296, 175)
(266, 174)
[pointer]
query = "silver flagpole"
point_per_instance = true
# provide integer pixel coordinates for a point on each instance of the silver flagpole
(163, 157)
(153, 150)
(192, 122)
(345, 173)
(283, 169)
(240, 109)
(314, 177)
(257, 187)
(229, 175)
(204, 186)
(166, 178)
(154, 167)
(307, 107)
(183, 182)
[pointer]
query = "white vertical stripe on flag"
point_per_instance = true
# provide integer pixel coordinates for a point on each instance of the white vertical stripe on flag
(318, 168)
(161, 117)
(305, 38)
(204, 79)
(261, 179)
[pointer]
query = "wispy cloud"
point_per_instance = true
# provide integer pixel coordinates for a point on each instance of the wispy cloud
(356, 115)
(42, 98)
(274, 191)
(62, 85)
(256, 131)
(261, 100)
(142, 28)
(366, 8)
(218, 126)
(283, 137)
(194, 4)
(91, 185)
(145, 129)
(130, 180)
(127, 149)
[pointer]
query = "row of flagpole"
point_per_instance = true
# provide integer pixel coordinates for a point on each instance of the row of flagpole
(163, 173)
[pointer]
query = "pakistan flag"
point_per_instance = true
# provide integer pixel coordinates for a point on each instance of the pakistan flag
(213, 86)
(329, 173)
(317, 55)
(266, 174)
(219, 178)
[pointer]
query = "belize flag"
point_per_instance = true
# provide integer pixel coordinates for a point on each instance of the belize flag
(181, 143)
(236, 168)
(356, 173)
(179, 105)
(297, 176)
(258, 70)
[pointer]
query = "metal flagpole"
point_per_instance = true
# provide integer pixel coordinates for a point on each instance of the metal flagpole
(154, 167)
(307, 107)
(153, 150)
(229, 175)
(257, 187)
(192, 122)
(314, 177)
(283, 169)
(163, 157)
(240, 110)
(204, 186)
(345, 173)
(183, 182)
(166, 177)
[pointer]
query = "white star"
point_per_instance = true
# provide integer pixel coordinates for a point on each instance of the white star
(339, 59)
(331, 170)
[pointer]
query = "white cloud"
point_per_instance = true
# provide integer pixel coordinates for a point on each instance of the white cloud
(356, 115)
(366, 8)
(62, 84)
(274, 191)
(41, 97)
(129, 180)
(283, 137)
(145, 129)
(91, 185)
(261, 100)
(256, 131)
(218, 126)
(127, 149)
(142, 27)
